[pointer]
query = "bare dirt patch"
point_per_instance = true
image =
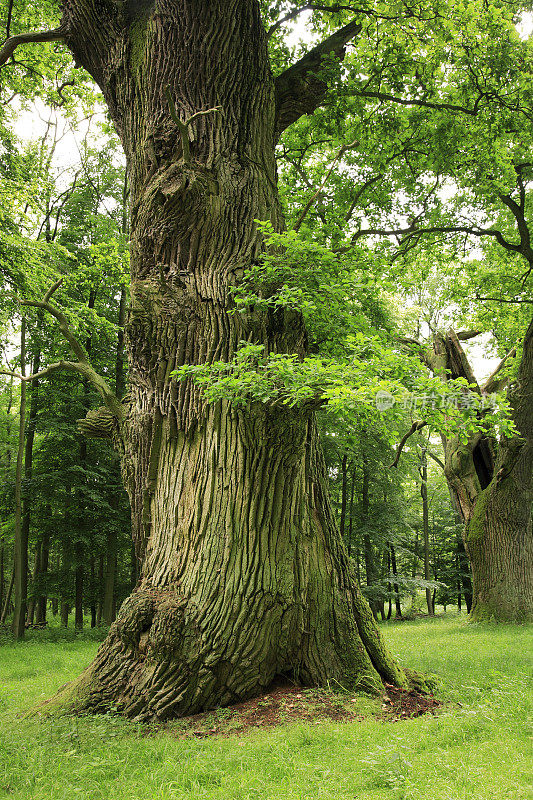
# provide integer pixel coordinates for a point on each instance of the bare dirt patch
(400, 704)
(288, 703)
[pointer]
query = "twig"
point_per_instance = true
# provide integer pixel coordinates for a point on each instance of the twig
(183, 127)
(318, 192)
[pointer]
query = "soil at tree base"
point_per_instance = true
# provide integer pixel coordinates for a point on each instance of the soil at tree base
(287, 702)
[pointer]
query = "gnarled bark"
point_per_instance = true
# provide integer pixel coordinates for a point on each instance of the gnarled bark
(492, 484)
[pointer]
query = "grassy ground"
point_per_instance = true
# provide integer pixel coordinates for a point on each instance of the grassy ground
(477, 747)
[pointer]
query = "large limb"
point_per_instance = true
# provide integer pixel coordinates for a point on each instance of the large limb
(415, 427)
(495, 382)
(299, 90)
(11, 44)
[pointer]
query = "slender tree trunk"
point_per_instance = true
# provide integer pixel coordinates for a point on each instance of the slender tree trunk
(464, 566)
(344, 492)
(55, 600)
(40, 618)
(371, 568)
(244, 574)
(5, 609)
(396, 587)
(35, 577)
(101, 588)
(425, 528)
(110, 576)
(79, 574)
(2, 573)
(93, 593)
(350, 521)
(28, 470)
(20, 565)
(66, 570)
(389, 587)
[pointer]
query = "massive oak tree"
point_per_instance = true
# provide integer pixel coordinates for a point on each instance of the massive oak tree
(490, 479)
(244, 574)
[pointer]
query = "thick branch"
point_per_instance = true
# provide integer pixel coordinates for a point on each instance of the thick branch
(298, 90)
(309, 7)
(11, 44)
(76, 347)
(84, 369)
(422, 103)
(493, 384)
(415, 427)
(464, 336)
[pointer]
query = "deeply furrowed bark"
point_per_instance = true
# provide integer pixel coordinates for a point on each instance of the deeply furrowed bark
(499, 532)
(244, 575)
(492, 484)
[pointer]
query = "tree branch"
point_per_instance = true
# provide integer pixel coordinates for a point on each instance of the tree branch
(527, 301)
(415, 427)
(11, 44)
(318, 192)
(412, 231)
(82, 365)
(310, 7)
(464, 336)
(422, 103)
(298, 90)
(436, 459)
(492, 384)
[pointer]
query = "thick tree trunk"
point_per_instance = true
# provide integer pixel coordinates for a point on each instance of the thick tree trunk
(499, 532)
(244, 575)
(492, 483)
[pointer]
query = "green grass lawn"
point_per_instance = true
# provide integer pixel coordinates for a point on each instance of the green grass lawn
(477, 747)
